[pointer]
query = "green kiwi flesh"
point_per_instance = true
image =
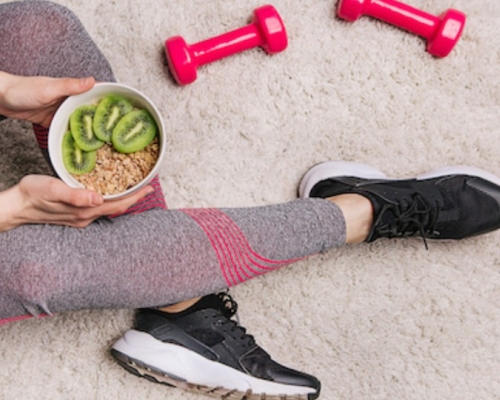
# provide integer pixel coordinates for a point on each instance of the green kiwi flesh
(75, 160)
(109, 111)
(134, 132)
(81, 127)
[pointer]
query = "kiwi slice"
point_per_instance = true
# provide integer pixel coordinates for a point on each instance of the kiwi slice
(134, 131)
(80, 124)
(109, 111)
(76, 161)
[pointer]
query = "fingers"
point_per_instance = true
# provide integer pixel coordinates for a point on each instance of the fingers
(36, 98)
(45, 199)
(121, 205)
(77, 86)
(92, 206)
(64, 87)
(79, 198)
(85, 216)
(80, 207)
(84, 198)
(53, 91)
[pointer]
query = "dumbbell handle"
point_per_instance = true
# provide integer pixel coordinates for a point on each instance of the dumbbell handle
(404, 16)
(226, 44)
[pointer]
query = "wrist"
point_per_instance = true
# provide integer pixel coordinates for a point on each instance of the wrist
(4, 82)
(11, 209)
(5, 78)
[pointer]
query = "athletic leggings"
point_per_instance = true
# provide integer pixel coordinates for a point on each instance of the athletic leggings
(151, 255)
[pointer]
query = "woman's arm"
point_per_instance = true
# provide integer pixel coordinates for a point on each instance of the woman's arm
(37, 98)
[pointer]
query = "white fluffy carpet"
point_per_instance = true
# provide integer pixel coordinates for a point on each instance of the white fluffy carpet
(388, 320)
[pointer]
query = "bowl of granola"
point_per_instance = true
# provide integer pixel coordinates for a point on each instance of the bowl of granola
(110, 139)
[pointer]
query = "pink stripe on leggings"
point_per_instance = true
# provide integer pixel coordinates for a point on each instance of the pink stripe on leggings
(20, 318)
(41, 135)
(153, 200)
(238, 260)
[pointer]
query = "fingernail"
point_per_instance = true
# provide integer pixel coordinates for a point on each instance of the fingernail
(95, 199)
(86, 81)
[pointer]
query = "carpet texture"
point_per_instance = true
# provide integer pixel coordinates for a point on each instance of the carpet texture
(388, 320)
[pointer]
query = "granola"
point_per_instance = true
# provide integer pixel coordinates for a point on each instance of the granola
(116, 172)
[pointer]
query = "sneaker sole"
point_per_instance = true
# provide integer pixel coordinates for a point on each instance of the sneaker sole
(461, 170)
(332, 169)
(147, 357)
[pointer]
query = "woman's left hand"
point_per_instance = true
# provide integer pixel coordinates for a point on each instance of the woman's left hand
(40, 199)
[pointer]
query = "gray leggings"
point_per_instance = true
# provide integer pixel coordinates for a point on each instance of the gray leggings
(148, 259)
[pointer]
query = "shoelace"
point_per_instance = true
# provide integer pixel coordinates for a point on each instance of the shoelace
(417, 216)
(229, 309)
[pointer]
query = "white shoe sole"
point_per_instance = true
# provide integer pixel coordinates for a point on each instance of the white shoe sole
(332, 169)
(143, 355)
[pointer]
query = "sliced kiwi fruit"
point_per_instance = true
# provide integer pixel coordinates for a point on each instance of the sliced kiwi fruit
(134, 131)
(76, 161)
(81, 126)
(109, 111)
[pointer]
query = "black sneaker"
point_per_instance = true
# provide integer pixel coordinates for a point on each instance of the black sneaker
(203, 350)
(449, 203)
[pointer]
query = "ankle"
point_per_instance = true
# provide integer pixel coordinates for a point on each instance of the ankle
(358, 215)
(179, 307)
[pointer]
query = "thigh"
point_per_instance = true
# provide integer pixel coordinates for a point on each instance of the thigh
(44, 38)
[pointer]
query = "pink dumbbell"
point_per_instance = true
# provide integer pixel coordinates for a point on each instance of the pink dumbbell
(442, 32)
(265, 30)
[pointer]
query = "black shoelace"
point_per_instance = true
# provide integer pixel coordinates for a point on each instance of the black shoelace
(418, 216)
(229, 308)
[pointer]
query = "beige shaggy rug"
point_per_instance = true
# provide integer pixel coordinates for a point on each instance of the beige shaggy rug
(387, 320)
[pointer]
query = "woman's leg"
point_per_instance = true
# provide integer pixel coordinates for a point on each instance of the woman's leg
(46, 39)
(158, 257)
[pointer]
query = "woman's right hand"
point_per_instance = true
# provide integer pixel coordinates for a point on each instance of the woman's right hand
(41, 199)
(36, 98)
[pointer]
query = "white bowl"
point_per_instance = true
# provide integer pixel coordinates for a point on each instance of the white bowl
(59, 127)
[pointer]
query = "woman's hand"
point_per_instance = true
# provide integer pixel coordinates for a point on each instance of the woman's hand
(36, 99)
(40, 199)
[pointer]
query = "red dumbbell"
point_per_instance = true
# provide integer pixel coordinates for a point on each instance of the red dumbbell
(442, 32)
(265, 30)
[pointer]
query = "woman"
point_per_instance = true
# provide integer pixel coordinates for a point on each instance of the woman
(61, 251)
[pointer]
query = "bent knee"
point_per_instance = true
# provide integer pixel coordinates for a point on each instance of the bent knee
(33, 28)
(45, 38)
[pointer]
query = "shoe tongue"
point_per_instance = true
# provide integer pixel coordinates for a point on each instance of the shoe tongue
(383, 196)
(210, 301)
(376, 212)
